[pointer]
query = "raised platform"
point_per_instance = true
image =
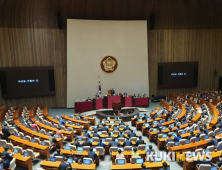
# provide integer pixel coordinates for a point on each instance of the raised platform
(101, 114)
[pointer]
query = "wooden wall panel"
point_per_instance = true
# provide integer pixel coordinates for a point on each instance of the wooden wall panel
(185, 30)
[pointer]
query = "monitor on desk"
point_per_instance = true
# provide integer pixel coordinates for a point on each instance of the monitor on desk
(213, 168)
(79, 148)
(71, 123)
(43, 143)
(219, 148)
(111, 122)
(108, 118)
(77, 124)
(191, 130)
(40, 131)
(154, 129)
(207, 151)
(164, 135)
(67, 148)
(25, 154)
(15, 150)
(16, 135)
(187, 141)
(146, 124)
(176, 143)
(86, 162)
(94, 150)
(52, 159)
(100, 133)
(1, 167)
(48, 134)
(139, 161)
(164, 128)
(169, 119)
(103, 140)
(120, 161)
(140, 120)
(148, 118)
(56, 136)
(70, 160)
(24, 138)
(91, 140)
(183, 132)
(80, 139)
(33, 140)
(111, 133)
(135, 116)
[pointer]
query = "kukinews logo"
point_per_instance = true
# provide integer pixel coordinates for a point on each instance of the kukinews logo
(177, 156)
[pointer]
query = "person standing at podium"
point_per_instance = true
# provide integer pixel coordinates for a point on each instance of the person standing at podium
(97, 95)
(112, 92)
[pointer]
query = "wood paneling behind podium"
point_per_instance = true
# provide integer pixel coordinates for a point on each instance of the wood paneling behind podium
(185, 30)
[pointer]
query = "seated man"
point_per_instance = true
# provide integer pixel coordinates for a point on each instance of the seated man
(87, 142)
(95, 134)
(213, 141)
(6, 153)
(178, 137)
(126, 128)
(92, 154)
(5, 162)
(169, 139)
(104, 128)
(65, 164)
(144, 95)
(97, 95)
(113, 143)
(88, 100)
(132, 134)
(138, 96)
(127, 142)
(86, 134)
(100, 143)
(140, 141)
(135, 153)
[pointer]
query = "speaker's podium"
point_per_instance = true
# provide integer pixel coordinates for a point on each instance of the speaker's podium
(109, 100)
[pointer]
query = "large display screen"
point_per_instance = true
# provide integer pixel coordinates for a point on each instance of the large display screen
(27, 81)
(177, 75)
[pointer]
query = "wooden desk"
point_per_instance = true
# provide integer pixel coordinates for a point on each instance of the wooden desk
(48, 129)
(152, 166)
(43, 150)
(166, 104)
(20, 160)
(85, 124)
(32, 133)
(128, 154)
(78, 154)
(78, 129)
(153, 134)
(55, 165)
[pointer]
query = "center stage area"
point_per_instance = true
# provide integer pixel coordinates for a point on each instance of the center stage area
(103, 113)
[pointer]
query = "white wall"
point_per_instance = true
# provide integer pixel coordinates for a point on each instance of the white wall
(89, 41)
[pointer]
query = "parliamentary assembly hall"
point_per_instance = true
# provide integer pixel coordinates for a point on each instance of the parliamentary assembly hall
(110, 85)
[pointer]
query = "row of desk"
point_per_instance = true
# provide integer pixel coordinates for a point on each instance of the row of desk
(106, 102)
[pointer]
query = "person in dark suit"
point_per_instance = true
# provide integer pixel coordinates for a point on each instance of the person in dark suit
(5, 162)
(6, 154)
(86, 134)
(159, 125)
(138, 96)
(122, 122)
(126, 128)
(165, 167)
(140, 141)
(206, 131)
(95, 134)
(114, 143)
(105, 128)
(88, 100)
(131, 134)
(127, 142)
(100, 143)
(219, 164)
(150, 150)
(87, 143)
(125, 94)
(96, 128)
(92, 154)
(169, 139)
(144, 95)
(15, 126)
(134, 96)
(58, 153)
(121, 134)
(213, 141)
(150, 126)
(115, 127)
(76, 142)
(64, 165)
(112, 92)
(97, 95)
(190, 136)
(6, 132)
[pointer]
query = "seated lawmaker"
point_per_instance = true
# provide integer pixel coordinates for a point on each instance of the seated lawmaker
(140, 141)
(95, 134)
(138, 96)
(97, 95)
(5, 162)
(88, 100)
(124, 94)
(127, 142)
(92, 154)
(120, 155)
(113, 143)
(144, 95)
(165, 167)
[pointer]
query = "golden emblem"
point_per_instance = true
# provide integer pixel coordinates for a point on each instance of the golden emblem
(109, 64)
